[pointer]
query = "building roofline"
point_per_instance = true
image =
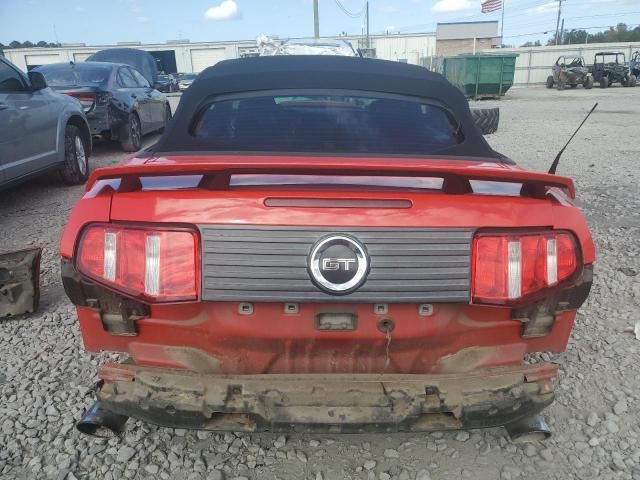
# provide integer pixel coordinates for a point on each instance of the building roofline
(467, 23)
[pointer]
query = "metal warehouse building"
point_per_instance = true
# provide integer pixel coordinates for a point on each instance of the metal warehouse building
(184, 56)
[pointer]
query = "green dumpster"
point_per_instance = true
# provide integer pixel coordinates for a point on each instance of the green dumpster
(481, 76)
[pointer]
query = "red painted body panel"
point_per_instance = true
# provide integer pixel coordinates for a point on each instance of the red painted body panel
(430, 167)
(456, 338)
(213, 337)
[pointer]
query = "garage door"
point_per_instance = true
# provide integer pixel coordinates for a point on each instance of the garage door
(203, 58)
(81, 57)
(44, 59)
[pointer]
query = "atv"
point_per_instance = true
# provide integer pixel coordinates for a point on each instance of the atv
(611, 67)
(634, 64)
(570, 71)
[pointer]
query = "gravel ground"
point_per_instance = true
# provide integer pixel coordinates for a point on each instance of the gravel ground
(45, 375)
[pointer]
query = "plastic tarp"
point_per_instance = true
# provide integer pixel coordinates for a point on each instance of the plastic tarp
(274, 46)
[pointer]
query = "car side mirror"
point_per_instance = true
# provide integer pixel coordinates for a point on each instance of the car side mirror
(37, 81)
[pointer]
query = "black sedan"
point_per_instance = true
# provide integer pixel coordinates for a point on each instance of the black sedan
(118, 101)
(167, 83)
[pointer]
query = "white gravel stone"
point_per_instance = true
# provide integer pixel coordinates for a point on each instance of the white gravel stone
(391, 453)
(370, 464)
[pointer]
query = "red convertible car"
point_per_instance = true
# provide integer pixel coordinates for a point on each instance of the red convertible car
(325, 244)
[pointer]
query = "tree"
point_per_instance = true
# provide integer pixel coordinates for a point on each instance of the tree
(15, 44)
(532, 44)
(619, 33)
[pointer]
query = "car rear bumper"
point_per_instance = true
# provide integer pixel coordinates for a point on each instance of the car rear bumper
(328, 402)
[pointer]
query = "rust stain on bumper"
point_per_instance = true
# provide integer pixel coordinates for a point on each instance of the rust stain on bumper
(333, 403)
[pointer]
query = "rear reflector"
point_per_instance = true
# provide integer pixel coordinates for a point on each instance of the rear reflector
(509, 267)
(158, 265)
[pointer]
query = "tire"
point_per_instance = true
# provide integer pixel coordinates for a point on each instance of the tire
(550, 81)
(486, 119)
(588, 83)
(75, 169)
(131, 137)
(604, 82)
(167, 117)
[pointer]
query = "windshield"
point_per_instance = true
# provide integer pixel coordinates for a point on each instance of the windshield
(610, 58)
(366, 124)
(78, 75)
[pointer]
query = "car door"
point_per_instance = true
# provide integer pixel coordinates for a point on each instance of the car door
(28, 126)
(128, 86)
(154, 99)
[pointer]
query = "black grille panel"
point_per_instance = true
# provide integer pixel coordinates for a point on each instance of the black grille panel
(269, 264)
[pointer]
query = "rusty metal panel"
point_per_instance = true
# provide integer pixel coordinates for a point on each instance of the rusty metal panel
(19, 281)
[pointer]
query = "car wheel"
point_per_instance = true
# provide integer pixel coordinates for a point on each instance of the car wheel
(486, 119)
(167, 117)
(131, 139)
(588, 83)
(604, 82)
(75, 169)
(550, 81)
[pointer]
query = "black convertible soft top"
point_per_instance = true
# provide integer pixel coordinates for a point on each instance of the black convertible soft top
(321, 72)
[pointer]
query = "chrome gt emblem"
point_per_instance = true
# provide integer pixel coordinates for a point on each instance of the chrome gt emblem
(338, 264)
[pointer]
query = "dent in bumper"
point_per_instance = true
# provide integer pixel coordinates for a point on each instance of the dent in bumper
(328, 403)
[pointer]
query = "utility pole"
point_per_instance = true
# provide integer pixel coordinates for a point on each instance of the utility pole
(368, 43)
(316, 20)
(502, 25)
(558, 21)
(562, 31)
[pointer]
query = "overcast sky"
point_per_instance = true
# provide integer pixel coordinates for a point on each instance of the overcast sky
(100, 22)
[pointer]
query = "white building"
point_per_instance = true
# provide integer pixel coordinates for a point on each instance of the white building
(185, 56)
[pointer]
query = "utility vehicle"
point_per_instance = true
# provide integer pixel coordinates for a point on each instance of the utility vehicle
(571, 72)
(611, 67)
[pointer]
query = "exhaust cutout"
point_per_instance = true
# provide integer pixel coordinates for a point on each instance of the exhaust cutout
(101, 423)
(532, 429)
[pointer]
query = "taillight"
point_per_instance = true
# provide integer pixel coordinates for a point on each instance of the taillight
(509, 267)
(157, 264)
(87, 99)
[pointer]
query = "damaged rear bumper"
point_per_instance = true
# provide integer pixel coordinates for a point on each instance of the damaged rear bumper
(328, 402)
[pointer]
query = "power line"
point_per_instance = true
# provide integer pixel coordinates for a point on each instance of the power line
(348, 13)
(546, 32)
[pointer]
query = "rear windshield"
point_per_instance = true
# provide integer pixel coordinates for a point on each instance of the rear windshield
(75, 75)
(368, 124)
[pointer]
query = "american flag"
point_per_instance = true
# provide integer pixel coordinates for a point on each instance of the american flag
(491, 5)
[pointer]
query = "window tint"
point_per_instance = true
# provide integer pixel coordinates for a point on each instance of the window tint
(327, 124)
(140, 80)
(126, 79)
(10, 80)
(82, 74)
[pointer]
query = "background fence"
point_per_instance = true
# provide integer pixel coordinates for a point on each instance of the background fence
(533, 64)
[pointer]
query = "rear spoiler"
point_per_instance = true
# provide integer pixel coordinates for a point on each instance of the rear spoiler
(217, 170)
